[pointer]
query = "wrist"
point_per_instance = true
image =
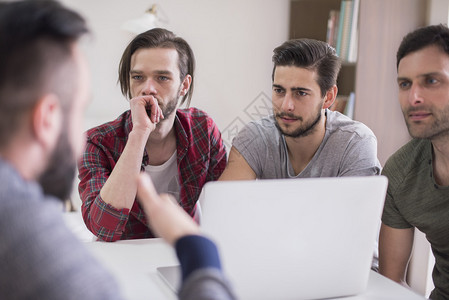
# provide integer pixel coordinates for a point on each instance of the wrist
(196, 252)
(139, 134)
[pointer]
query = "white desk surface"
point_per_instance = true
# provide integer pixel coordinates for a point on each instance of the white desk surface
(134, 264)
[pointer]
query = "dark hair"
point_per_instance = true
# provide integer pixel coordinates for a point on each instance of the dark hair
(312, 55)
(158, 38)
(437, 35)
(36, 39)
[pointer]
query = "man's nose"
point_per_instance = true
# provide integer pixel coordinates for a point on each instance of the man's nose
(287, 103)
(149, 88)
(416, 95)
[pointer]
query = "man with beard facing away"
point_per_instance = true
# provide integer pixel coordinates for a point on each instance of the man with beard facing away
(43, 94)
(181, 149)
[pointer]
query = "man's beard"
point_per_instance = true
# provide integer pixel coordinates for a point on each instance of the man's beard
(303, 130)
(169, 108)
(439, 127)
(57, 179)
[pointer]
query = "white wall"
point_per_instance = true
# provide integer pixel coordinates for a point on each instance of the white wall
(437, 12)
(232, 41)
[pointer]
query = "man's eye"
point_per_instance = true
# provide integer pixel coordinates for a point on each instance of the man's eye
(163, 78)
(301, 93)
(431, 80)
(278, 91)
(404, 85)
(137, 77)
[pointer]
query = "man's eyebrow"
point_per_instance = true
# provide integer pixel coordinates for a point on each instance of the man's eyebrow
(401, 78)
(293, 89)
(300, 89)
(430, 74)
(159, 72)
(278, 86)
(163, 72)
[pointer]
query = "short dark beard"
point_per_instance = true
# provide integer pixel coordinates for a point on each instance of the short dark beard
(170, 108)
(300, 132)
(57, 179)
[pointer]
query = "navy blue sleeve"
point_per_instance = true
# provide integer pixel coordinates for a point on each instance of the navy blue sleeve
(196, 252)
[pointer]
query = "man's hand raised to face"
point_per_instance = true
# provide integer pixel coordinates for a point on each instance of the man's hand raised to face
(145, 112)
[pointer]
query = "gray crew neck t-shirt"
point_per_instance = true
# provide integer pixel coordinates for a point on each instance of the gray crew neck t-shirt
(349, 148)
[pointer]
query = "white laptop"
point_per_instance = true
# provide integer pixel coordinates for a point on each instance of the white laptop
(294, 239)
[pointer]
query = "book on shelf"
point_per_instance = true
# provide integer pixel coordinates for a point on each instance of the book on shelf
(340, 27)
(352, 54)
(346, 31)
(332, 27)
(342, 30)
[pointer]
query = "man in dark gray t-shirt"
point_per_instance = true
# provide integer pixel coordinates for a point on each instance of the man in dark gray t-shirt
(418, 173)
(303, 138)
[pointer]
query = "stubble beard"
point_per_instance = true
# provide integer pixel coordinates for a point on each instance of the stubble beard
(303, 130)
(438, 128)
(171, 106)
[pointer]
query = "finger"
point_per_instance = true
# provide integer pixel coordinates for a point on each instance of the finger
(160, 114)
(151, 107)
(155, 110)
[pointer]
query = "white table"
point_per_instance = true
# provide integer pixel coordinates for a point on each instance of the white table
(134, 264)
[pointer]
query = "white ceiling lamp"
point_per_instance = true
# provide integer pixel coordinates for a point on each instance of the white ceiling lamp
(145, 22)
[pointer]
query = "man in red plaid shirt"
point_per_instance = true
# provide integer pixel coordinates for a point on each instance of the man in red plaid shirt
(181, 149)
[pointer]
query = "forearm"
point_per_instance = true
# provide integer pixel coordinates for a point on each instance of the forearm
(395, 247)
(237, 168)
(120, 188)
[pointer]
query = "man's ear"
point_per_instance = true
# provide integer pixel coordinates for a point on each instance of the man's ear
(330, 96)
(185, 85)
(47, 121)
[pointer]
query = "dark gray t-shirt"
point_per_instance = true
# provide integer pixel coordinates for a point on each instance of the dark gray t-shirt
(349, 148)
(414, 199)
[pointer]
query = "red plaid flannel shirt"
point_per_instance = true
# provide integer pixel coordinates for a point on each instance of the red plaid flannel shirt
(201, 157)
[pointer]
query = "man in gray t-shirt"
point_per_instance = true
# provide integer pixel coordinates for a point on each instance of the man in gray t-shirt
(348, 148)
(303, 138)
